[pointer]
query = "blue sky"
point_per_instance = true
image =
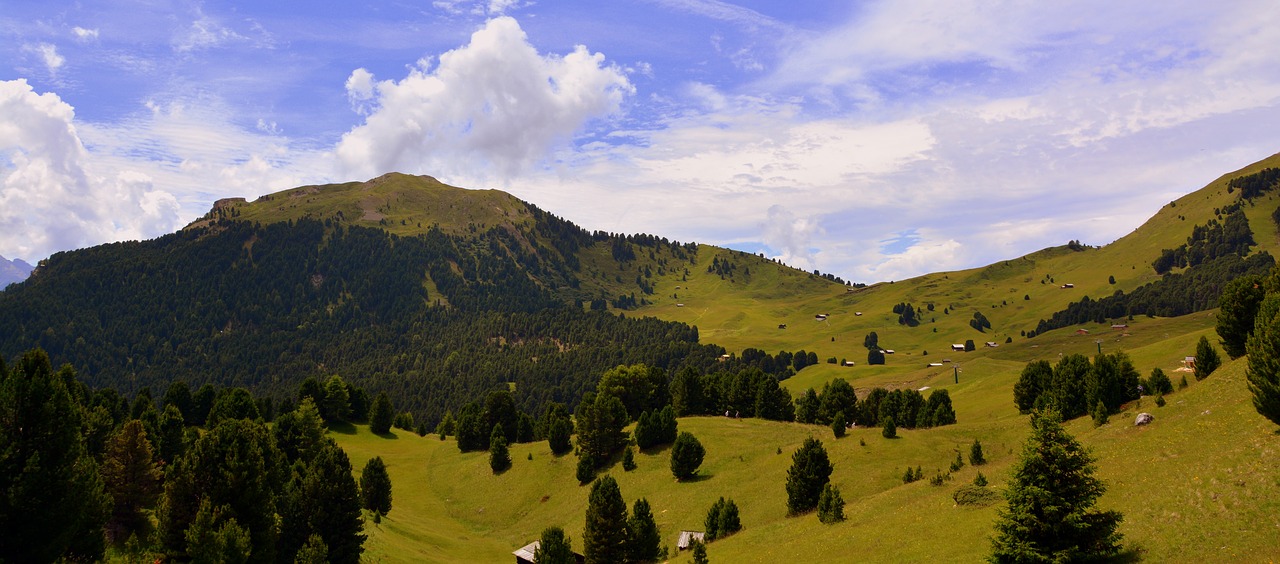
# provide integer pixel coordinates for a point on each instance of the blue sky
(874, 140)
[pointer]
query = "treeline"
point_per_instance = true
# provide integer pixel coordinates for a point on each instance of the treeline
(1253, 185)
(84, 469)
(1076, 387)
(838, 403)
(1196, 289)
(1208, 242)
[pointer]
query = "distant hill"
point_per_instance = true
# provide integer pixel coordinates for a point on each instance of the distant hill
(431, 293)
(436, 294)
(12, 271)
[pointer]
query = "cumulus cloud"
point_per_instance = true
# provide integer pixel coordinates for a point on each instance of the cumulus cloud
(791, 237)
(495, 104)
(50, 199)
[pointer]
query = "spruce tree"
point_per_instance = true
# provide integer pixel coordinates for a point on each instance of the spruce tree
(604, 538)
(727, 520)
(132, 479)
(629, 459)
(686, 456)
(699, 551)
(499, 456)
(1052, 495)
(1207, 359)
(559, 436)
(975, 454)
(52, 503)
(383, 415)
(1263, 373)
(237, 465)
(375, 486)
(554, 547)
(838, 423)
(830, 505)
(711, 524)
(643, 539)
(335, 406)
(889, 429)
(810, 470)
(329, 505)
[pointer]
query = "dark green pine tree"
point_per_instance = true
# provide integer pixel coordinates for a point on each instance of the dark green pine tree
(559, 434)
(838, 424)
(1263, 373)
(326, 502)
(889, 429)
(1052, 493)
(499, 455)
(975, 454)
(237, 469)
(132, 478)
(383, 414)
(604, 539)
(699, 551)
(172, 440)
(375, 486)
(554, 547)
(643, 539)
(830, 505)
(1237, 309)
(52, 503)
(686, 456)
(234, 403)
(1207, 359)
(810, 471)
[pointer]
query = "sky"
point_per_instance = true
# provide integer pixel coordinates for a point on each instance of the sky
(874, 140)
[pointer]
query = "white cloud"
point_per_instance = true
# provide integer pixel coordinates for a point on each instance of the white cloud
(791, 237)
(50, 197)
(85, 35)
(48, 54)
(360, 90)
(494, 104)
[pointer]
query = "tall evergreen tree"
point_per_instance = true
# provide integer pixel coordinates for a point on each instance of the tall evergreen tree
(233, 403)
(383, 414)
(299, 433)
(499, 456)
(332, 504)
(975, 454)
(643, 539)
(52, 503)
(1052, 495)
(810, 470)
(1207, 359)
(375, 486)
(178, 395)
(132, 479)
(1237, 309)
(687, 396)
(604, 539)
(554, 547)
(686, 456)
(336, 404)
(1263, 373)
(237, 469)
(172, 440)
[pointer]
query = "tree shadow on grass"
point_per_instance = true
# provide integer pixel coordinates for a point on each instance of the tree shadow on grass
(1128, 555)
(342, 428)
(699, 477)
(387, 435)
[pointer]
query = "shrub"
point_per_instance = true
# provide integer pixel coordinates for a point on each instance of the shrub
(958, 463)
(980, 480)
(970, 494)
(1160, 400)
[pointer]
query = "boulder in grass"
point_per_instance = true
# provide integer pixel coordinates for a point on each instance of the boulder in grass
(1143, 419)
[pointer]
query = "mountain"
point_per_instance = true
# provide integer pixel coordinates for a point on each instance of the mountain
(435, 294)
(431, 293)
(13, 271)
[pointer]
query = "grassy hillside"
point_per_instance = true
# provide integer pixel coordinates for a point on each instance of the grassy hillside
(1198, 484)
